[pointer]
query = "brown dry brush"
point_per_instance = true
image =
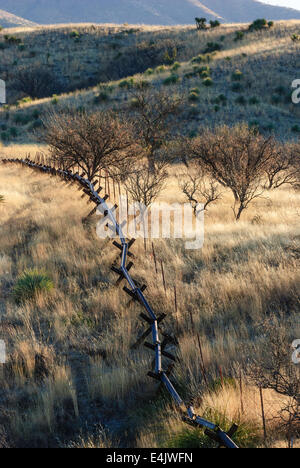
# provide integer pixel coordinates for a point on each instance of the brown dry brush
(154, 118)
(145, 184)
(197, 189)
(284, 167)
(240, 159)
(36, 82)
(91, 141)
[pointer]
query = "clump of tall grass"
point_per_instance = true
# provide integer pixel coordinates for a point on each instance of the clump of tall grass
(30, 285)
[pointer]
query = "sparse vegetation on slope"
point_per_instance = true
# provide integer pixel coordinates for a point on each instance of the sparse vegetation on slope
(154, 121)
(260, 94)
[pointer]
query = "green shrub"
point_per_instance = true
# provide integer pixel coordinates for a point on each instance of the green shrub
(134, 103)
(35, 114)
(127, 83)
(190, 74)
(161, 69)
(204, 74)
(30, 285)
(214, 24)
(198, 59)
(237, 75)
(193, 96)
(172, 79)
(142, 84)
(260, 24)
(170, 56)
(280, 90)
(254, 124)
(208, 82)
(205, 68)
(241, 100)
(22, 119)
(268, 127)
(221, 99)
(13, 132)
(102, 96)
(55, 99)
(2, 199)
(236, 87)
(201, 24)
(295, 37)
(193, 111)
(254, 101)
(38, 123)
(149, 71)
(275, 99)
(239, 36)
(24, 100)
(296, 129)
(75, 35)
(247, 435)
(175, 66)
(4, 136)
(212, 47)
(12, 39)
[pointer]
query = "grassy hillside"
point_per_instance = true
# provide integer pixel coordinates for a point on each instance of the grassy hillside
(84, 328)
(167, 12)
(72, 378)
(8, 20)
(247, 79)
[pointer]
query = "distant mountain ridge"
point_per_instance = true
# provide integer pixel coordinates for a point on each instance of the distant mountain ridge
(168, 12)
(8, 20)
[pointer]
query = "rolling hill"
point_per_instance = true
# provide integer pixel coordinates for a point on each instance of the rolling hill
(224, 80)
(167, 12)
(8, 20)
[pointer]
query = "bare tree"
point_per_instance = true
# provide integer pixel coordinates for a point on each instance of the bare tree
(272, 368)
(91, 141)
(144, 185)
(154, 117)
(36, 82)
(284, 167)
(197, 189)
(236, 158)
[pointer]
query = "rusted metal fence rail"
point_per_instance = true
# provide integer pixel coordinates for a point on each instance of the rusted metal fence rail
(135, 291)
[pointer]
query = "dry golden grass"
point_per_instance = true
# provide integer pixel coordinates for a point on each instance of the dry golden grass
(268, 60)
(84, 329)
(225, 404)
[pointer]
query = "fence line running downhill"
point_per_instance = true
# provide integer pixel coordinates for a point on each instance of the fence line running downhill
(135, 291)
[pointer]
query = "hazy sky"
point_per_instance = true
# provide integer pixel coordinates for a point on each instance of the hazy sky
(286, 3)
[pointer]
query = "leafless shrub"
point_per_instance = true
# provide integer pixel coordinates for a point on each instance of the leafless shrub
(236, 158)
(91, 141)
(284, 167)
(197, 189)
(144, 184)
(154, 120)
(36, 82)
